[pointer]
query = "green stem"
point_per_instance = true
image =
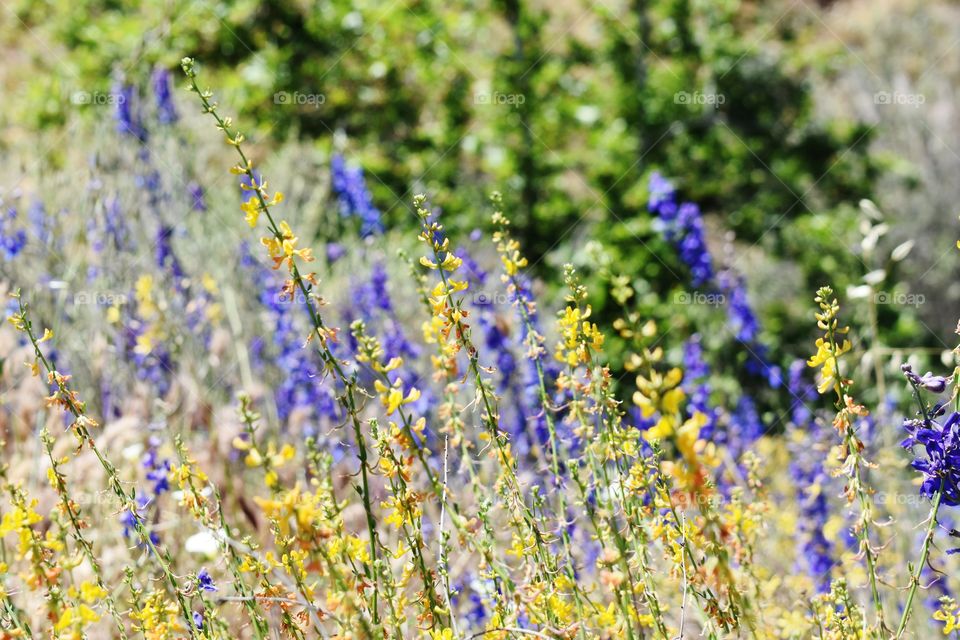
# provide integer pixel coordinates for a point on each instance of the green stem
(915, 579)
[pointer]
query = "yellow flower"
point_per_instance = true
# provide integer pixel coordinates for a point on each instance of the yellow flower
(90, 592)
(143, 293)
(76, 617)
(251, 210)
(284, 248)
(392, 397)
(826, 358)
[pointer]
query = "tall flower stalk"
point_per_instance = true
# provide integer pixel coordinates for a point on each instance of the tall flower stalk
(281, 244)
(940, 466)
(830, 348)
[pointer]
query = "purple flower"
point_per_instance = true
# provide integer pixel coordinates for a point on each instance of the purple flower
(126, 113)
(939, 458)
(166, 112)
(335, 251)
(661, 192)
(197, 201)
(12, 241)
(354, 197)
(683, 226)
(696, 384)
(205, 581)
(928, 381)
(742, 319)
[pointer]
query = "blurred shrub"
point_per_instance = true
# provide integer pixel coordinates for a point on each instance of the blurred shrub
(567, 109)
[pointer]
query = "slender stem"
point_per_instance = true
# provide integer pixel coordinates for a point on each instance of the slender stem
(915, 579)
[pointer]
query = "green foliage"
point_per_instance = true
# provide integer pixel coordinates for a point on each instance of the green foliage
(566, 109)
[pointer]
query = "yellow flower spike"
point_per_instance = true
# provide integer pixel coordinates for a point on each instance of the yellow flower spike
(253, 458)
(287, 453)
(664, 428)
(672, 400)
(456, 286)
(239, 169)
(451, 262)
(251, 210)
(393, 400)
(646, 406)
(673, 377)
(91, 592)
(143, 288)
(47, 335)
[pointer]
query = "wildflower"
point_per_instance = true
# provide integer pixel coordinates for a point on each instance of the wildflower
(126, 113)
(283, 249)
(696, 384)
(928, 381)
(392, 397)
(197, 200)
(12, 241)
(941, 465)
(158, 618)
(354, 197)
(116, 227)
(661, 192)
(41, 223)
(205, 581)
(683, 226)
(826, 358)
(812, 480)
(742, 319)
(949, 615)
(166, 112)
